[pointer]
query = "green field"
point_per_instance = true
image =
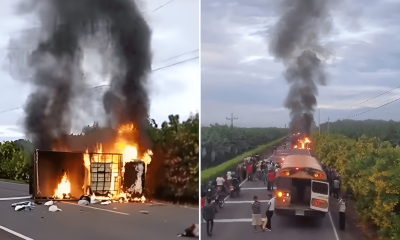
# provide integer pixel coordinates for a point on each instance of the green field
(219, 170)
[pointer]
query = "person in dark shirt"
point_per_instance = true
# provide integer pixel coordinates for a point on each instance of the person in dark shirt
(209, 214)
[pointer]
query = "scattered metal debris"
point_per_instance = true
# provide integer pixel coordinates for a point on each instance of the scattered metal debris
(83, 202)
(27, 206)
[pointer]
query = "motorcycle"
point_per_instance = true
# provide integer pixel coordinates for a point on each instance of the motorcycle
(234, 187)
(219, 199)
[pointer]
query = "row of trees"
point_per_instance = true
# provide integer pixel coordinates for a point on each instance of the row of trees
(370, 167)
(220, 143)
(384, 130)
(175, 161)
(15, 160)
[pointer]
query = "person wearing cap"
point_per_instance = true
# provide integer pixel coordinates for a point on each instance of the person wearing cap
(256, 209)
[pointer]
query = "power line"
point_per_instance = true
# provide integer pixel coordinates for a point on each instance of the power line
(181, 54)
(373, 108)
(175, 64)
(367, 99)
(12, 109)
(8, 110)
(162, 6)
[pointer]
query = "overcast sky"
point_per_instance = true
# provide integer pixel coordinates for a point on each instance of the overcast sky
(240, 76)
(173, 90)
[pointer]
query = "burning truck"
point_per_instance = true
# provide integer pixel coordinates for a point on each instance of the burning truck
(67, 175)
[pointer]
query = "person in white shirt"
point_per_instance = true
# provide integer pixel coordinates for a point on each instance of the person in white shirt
(229, 176)
(220, 181)
(270, 211)
(342, 215)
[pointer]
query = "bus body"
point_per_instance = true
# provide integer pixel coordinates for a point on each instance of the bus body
(302, 187)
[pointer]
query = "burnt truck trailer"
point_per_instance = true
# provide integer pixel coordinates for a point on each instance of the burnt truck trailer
(302, 187)
(69, 175)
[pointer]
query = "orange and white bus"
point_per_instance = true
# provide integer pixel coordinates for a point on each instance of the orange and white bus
(302, 187)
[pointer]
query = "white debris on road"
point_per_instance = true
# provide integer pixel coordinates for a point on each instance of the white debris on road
(54, 208)
(106, 202)
(27, 206)
(144, 212)
(83, 202)
(49, 203)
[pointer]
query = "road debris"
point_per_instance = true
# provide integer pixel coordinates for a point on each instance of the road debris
(49, 203)
(83, 202)
(81, 211)
(27, 206)
(84, 197)
(54, 208)
(106, 202)
(144, 212)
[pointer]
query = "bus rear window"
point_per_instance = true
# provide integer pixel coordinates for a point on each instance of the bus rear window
(321, 188)
(283, 183)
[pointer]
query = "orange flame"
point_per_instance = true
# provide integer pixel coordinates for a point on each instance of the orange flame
(63, 188)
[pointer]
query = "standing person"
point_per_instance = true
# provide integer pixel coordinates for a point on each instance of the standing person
(256, 208)
(270, 211)
(254, 170)
(229, 176)
(249, 171)
(271, 177)
(209, 214)
(259, 170)
(336, 188)
(342, 215)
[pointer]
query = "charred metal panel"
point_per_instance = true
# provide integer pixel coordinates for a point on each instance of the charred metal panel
(134, 178)
(49, 168)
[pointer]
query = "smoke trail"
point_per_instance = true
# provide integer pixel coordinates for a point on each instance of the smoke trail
(296, 41)
(57, 64)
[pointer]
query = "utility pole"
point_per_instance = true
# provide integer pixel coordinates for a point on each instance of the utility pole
(232, 118)
(319, 120)
(328, 125)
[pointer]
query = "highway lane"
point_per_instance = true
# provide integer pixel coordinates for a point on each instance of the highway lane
(114, 221)
(234, 220)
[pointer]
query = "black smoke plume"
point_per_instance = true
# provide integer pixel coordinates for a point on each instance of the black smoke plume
(57, 64)
(296, 41)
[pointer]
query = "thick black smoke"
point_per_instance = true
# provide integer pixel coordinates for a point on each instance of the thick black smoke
(296, 41)
(57, 64)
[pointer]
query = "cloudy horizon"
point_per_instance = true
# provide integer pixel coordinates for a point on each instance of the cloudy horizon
(240, 76)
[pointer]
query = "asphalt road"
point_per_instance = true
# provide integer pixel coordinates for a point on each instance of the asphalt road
(114, 221)
(234, 220)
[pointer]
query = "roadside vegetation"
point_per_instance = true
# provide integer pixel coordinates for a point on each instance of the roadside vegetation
(220, 143)
(370, 167)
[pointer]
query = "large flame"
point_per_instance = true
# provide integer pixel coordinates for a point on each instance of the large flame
(304, 142)
(63, 188)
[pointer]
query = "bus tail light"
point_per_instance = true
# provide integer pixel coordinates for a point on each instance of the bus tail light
(283, 194)
(319, 175)
(283, 200)
(285, 173)
(319, 203)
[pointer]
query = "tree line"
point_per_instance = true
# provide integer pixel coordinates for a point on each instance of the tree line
(384, 130)
(220, 143)
(370, 168)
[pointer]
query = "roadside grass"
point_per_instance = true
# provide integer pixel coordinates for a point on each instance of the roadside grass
(13, 181)
(217, 171)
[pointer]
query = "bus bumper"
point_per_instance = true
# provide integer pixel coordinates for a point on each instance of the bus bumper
(307, 213)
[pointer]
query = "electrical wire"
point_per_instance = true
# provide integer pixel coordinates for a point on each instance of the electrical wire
(373, 108)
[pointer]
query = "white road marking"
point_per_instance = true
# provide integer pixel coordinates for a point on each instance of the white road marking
(14, 198)
(235, 220)
(96, 208)
(255, 188)
(169, 204)
(334, 229)
(246, 201)
(15, 233)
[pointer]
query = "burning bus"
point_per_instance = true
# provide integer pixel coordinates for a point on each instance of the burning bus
(112, 175)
